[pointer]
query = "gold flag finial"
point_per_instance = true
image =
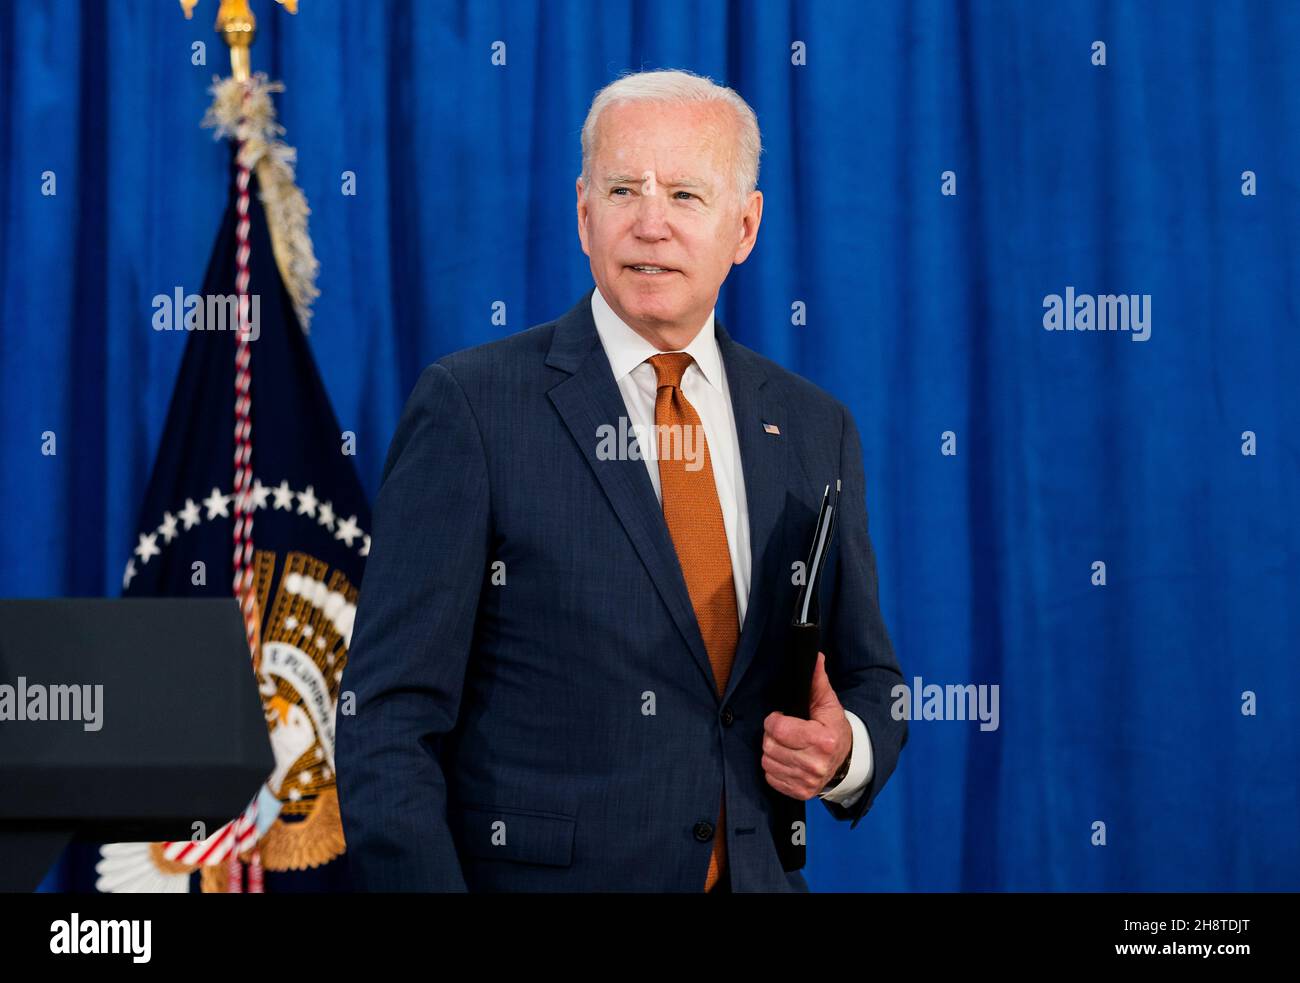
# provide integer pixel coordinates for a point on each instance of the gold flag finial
(237, 27)
(236, 24)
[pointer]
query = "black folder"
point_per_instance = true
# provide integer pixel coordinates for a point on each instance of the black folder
(805, 627)
(789, 815)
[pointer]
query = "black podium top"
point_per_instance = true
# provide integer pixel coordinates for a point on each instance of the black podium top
(127, 719)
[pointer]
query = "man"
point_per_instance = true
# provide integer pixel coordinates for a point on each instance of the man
(568, 648)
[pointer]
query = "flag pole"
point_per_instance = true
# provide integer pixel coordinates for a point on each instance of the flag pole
(238, 28)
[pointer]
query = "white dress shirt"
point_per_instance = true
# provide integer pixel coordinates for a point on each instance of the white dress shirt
(704, 384)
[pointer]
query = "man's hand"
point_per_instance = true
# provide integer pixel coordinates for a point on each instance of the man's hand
(801, 756)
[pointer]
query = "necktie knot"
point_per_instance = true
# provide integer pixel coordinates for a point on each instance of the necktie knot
(670, 367)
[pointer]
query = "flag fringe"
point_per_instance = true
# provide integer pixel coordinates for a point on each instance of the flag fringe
(273, 160)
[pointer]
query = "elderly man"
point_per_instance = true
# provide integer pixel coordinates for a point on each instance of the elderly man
(569, 650)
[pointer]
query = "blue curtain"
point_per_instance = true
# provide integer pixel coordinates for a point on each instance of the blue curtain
(1120, 704)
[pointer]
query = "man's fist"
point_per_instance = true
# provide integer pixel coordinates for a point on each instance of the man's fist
(801, 756)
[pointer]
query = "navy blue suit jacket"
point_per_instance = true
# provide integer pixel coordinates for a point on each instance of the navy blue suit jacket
(534, 707)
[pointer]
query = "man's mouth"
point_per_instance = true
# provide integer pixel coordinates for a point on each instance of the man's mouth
(648, 270)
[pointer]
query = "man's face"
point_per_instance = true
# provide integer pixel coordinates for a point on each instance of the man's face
(662, 223)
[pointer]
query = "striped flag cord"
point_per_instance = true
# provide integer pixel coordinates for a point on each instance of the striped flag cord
(240, 834)
(243, 528)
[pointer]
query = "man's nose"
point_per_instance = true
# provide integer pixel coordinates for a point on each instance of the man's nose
(652, 215)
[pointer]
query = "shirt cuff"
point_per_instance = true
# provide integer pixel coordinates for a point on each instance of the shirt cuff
(861, 766)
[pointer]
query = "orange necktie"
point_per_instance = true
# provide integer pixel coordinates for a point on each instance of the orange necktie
(694, 517)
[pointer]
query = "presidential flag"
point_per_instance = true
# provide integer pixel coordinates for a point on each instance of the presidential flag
(254, 480)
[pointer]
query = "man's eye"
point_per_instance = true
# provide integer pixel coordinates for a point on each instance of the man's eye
(615, 191)
(686, 193)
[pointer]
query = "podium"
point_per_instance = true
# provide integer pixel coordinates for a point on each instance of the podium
(122, 719)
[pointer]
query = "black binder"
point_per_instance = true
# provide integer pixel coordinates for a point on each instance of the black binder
(805, 626)
(805, 642)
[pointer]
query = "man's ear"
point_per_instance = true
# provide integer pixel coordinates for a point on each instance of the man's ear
(582, 218)
(751, 216)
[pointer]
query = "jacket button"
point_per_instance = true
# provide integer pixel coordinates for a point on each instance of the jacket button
(704, 831)
(728, 715)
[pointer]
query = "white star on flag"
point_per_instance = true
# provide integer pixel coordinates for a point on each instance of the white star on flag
(307, 501)
(365, 546)
(260, 491)
(190, 514)
(217, 503)
(129, 574)
(168, 527)
(147, 547)
(283, 496)
(326, 517)
(348, 530)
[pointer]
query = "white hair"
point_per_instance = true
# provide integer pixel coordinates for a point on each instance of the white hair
(679, 87)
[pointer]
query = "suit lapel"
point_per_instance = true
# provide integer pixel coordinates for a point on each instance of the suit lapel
(590, 398)
(763, 457)
(587, 400)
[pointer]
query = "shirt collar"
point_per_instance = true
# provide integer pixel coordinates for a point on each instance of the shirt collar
(626, 349)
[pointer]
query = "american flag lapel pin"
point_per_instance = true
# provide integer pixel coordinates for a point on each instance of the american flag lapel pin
(772, 428)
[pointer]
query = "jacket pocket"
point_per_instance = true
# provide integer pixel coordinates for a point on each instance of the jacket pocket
(521, 835)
